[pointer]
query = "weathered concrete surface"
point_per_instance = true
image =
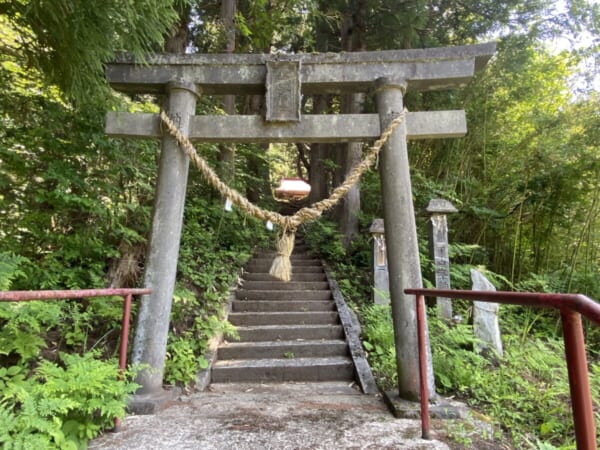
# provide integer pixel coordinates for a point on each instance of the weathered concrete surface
(283, 97)
(424, 69)
(277, 416)
(312, 128)
(401, 241)
(441, 409)
(352, 329)
(150, 342)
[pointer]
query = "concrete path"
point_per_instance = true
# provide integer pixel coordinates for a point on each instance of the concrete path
(271, 416)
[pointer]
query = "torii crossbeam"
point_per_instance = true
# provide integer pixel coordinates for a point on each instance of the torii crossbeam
(283, 79)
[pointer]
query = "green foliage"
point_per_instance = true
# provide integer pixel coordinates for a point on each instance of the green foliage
(70, 41)
(70, 195)
(60, 406)
(182, 364)
(526, 175)
(9, 268)
(378, 341)
(324, 238)
(23, 326)
(526, 393)
(195, 321)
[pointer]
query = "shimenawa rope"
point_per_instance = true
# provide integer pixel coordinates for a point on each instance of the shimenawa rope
(281, 267)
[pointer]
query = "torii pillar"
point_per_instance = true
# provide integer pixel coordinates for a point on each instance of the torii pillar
(149, 345)
(401, 239)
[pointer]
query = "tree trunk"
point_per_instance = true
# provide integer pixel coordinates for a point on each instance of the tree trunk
(256, 165)
(317, 175)
(353, 39)
(177, 40)
(227, 153)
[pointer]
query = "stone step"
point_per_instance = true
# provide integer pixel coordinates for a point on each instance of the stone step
(296, 262)
(281, 305)
(296, 369)
(296, 277)
(289, 332)
(283, 318)
(264, 268)
(245, 294)
(282, 349)
(266, 254)
(285, 285)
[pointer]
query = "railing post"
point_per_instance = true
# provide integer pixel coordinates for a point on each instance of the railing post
(423, 388)
(124, 333)
(123, 345)
(583, 413)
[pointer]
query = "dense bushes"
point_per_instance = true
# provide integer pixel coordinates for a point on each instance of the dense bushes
(525, 394)
(62, 405)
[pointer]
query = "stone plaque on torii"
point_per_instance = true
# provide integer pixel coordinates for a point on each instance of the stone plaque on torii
(283, 79)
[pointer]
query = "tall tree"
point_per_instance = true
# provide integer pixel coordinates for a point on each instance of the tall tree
(69, 41)
(353, 38)
(227, 15)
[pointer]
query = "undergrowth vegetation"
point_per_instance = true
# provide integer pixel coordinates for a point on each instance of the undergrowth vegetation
(76, 209)
(59, 381)
(525, 394)
(76, 205)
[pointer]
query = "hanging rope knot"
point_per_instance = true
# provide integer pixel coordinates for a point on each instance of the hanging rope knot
(282, 267)
(282, 264)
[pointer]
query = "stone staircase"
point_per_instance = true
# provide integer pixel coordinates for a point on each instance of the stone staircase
(289, 331)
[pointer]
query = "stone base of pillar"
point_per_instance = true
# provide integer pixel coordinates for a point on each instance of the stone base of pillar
(441, 408)
(145, 404)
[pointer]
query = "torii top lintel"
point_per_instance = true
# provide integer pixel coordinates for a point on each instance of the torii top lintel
(421, 69)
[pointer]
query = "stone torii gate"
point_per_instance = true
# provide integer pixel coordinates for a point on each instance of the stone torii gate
(284, 79)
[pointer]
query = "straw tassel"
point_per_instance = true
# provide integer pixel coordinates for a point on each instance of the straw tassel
(282, 266)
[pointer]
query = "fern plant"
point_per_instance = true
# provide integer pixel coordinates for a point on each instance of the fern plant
(61, 406)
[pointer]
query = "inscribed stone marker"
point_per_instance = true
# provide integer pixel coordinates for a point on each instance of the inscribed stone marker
(438, 250)
(485, 318)
(283, 91)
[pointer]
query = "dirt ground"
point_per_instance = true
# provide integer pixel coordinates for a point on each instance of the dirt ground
(277, 416)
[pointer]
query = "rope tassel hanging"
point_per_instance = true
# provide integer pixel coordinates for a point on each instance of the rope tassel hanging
(282, 265)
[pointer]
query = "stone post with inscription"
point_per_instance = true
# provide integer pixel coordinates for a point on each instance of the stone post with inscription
(438, 250)
(381, 281)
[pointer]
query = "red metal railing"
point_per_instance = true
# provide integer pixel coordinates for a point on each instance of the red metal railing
(570, 307)
(127, 294)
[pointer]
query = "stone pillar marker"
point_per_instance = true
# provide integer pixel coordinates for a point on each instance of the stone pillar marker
(381, 282)
(438, 250)
(485, 319)
(150, 343)
(401, 237)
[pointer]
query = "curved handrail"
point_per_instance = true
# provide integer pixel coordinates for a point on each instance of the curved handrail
(570, 306)
(127, 294)
(576, 302)
(26, 296)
